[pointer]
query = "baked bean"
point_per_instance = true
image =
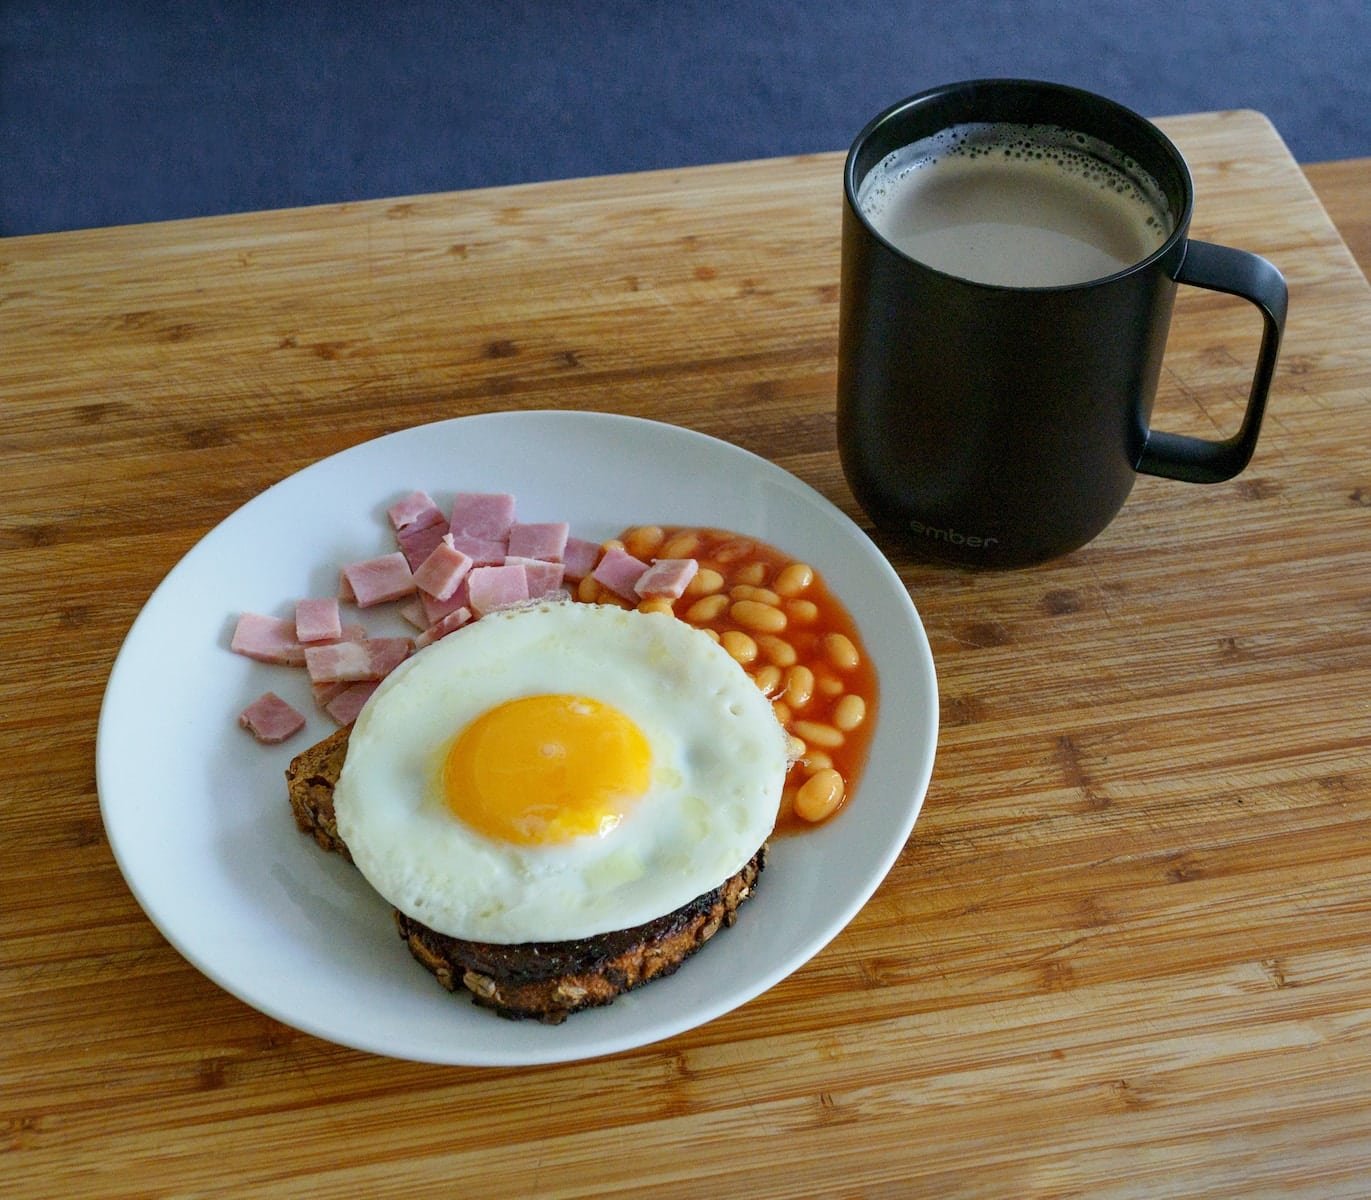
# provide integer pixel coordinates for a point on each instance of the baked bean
(742, 648)
(815, 760)
(605, 596)
(802, 612)
(819, 795)
(794, 579)
(706, 609)
(612, 544)
(746, 591)
(588, 589)
(794, 747)
(828, 685)
(683, 545)
(712, 634)
(849, 712)
(782, 711)
(776, 650)
(733, 550)
(759, 617)
(644, 541)
(705, 582)
(840, 651)
(768, 678)
(818, 734)
(658, 604)
(799, 686)
(754, 573)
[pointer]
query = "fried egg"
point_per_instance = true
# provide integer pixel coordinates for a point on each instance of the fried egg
(559, 771)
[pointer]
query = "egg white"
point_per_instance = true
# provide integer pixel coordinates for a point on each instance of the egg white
(718, 767)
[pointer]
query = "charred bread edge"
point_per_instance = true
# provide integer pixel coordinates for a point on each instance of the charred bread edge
(549, 980)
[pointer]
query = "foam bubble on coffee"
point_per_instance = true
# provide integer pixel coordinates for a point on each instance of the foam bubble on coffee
(1016, 205)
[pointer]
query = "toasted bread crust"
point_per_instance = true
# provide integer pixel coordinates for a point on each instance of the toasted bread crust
(545, 981)
(309, 784)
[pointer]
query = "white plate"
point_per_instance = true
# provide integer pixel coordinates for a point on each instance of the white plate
(196, 811)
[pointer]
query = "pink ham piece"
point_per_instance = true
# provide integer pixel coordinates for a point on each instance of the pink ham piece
(436, 610)
(545, 541)
(666, 578)
(415, 511)
(270, 719)
(417, 544)
(489, 588)
(376, 580)
(318, 620)
(483, 552)
(486, 515)
(579, 558)
(619, 571)
(345, 706)
(441, 572)
(353, 662)
(267, 639)
(441, 628)
(544, 578)
(413, 612)
(324, 693)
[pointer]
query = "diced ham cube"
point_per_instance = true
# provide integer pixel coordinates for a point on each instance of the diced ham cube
(482, 515)
(267, 639)
(376, 580)
(441, 628)
(483, 552)
(546, 541)
(544, 578)
(413, 612)
(352, 662)
(579, 558)
(270, 719)
(441, 572)
(317, 620)
(340, 662)
(417, 544)
(436, 610)
(325, 692)
(345, 706)
(666, 577)
(345, 592)
(387, 653)
(619, 571)
(489, 588)
(415, 511)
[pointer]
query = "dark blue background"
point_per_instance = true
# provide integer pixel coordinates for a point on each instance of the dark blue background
(120, 112)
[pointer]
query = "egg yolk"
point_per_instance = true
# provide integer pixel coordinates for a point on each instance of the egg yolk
(546, 769)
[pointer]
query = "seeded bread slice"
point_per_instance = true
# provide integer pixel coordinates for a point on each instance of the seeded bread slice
(309, 784)
(545, 981)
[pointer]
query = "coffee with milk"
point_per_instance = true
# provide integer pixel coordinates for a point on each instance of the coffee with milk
(1026, 206)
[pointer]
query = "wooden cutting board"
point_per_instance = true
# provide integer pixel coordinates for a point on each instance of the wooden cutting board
(1125, 951)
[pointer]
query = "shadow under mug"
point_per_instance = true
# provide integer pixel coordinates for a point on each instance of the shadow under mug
(995, 426)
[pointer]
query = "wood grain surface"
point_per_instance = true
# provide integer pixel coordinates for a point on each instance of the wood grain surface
(1124, 953)
(1342, 187)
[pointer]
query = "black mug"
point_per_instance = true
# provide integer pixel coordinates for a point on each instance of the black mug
(999, 425)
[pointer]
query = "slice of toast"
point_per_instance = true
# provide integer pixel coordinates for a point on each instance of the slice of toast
(542, 980)
(309, 785)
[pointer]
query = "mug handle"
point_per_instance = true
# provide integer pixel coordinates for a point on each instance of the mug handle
(1238, 273)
